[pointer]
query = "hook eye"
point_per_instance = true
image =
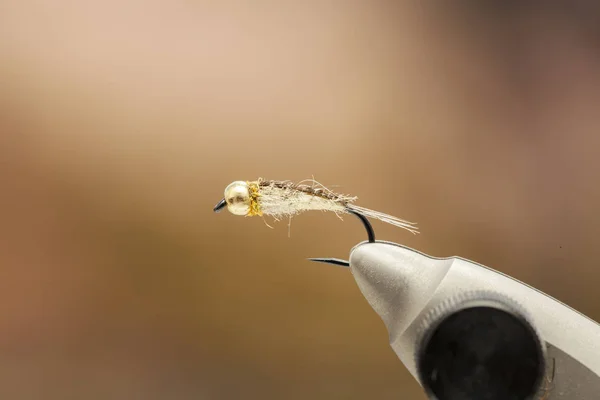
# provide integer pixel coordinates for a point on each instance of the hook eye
(220, 205)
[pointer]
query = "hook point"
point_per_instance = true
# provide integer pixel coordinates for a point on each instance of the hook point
(332, 261)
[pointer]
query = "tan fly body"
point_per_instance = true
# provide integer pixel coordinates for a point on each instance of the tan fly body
(280, 199)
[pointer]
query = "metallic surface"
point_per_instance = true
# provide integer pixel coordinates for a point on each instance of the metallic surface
(220, 206)
(366, 224)
(570, 379)
(237, 197)
(333, 261)
(506, 343)
(402, 285)
(344, 263)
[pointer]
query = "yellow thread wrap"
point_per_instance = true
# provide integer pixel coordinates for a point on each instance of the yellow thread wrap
(254, 195)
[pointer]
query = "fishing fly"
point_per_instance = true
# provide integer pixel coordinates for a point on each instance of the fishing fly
(280, 199)
(285, 199)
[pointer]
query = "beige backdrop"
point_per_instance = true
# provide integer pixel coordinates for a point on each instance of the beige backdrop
(121, 123)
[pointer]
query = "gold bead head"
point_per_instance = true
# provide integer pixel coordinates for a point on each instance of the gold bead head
(238, 198)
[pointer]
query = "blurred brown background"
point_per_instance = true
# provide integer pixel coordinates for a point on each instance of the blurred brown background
(121, 122)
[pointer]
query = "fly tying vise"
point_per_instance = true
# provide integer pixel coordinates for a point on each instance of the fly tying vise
(286, 199)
